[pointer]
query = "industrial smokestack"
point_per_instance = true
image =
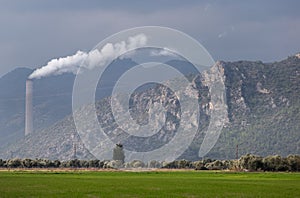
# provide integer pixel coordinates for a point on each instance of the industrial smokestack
(28, 110)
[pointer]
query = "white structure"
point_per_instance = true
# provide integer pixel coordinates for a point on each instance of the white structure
(28, 106)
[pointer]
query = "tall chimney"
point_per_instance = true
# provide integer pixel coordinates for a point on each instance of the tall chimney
(28, 110)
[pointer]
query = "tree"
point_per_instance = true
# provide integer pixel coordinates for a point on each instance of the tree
(251, 162)
(14, 163)
(94, 163)
(293, 162)
(27, 163)
(275, 163)
(56, 163)
(1, 163)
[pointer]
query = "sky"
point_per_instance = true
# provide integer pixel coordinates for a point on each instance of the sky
(36, 31)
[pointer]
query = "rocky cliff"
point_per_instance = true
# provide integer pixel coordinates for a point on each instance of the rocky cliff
(262, 116)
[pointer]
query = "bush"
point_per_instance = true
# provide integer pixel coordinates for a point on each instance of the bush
(251, 162)
(275, 163)
(247, 162)
(1, 163)
(14, 163)
(197, 165)
(137, 164)
(178, 164)
(94, 163)
(27, 163)
(293, 162)
(215, 165)
(154, 164)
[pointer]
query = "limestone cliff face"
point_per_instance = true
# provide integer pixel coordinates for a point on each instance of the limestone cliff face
(262, 115)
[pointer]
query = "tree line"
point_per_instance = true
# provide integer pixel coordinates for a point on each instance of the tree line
(247, 162)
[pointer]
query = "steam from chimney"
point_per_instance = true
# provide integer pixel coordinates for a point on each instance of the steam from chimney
(28, 110)
(94, 58)
(71, 64)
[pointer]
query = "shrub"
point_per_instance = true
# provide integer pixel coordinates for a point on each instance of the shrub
(275, 163)
(251, 162)
(14, 163)
(154, 164)
(215, 165)
(293, 162)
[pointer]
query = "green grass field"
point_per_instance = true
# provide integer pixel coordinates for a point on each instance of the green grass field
(147, 184)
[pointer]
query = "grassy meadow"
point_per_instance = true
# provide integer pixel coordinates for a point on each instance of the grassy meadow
(20, 183)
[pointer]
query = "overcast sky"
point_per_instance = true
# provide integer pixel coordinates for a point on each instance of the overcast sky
(35, 31)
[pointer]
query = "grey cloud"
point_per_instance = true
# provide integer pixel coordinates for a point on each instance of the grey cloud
(32, 32)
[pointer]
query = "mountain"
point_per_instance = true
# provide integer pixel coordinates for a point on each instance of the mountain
(52, 102)
(264, 108)
(12, 94)
(263, 115)
(52, 99)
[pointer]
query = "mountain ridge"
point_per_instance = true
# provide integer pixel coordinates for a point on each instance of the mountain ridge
(263, 114)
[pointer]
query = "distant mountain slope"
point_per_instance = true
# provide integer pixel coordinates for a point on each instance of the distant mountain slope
(263, 115)
(12, 94)
(52, 99)
(52, 102)
(264, 108)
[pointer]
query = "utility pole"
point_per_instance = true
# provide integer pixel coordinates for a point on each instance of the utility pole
(237, 152)
(74, 146)
(74, 151)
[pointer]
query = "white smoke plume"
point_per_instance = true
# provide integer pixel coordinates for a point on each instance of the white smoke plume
(163, 52)
(95, 58)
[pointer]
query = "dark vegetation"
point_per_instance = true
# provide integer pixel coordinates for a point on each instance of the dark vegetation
(247, 162)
